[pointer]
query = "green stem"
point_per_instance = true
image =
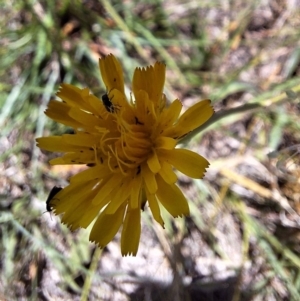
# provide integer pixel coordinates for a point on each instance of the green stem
(89, 276)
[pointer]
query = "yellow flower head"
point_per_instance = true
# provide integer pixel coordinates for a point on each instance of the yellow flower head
(129, 147)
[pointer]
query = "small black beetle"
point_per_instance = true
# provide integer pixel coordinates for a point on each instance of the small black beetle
(107, 103)
(54, 191)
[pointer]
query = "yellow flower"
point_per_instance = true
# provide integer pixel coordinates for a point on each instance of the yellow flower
(129, 148)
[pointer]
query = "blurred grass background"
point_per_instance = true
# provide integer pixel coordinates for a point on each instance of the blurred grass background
(242, 239)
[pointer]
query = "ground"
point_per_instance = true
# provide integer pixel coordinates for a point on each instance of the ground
(241, 241)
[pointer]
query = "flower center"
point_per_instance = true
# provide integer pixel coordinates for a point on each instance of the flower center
(127, 146)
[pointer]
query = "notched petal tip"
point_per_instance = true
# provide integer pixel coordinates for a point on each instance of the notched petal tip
(72, 227)
(188, 162)
(150, 79)
(125, 254)
(206, 169)
(182, 215)
(112, 73)
(98, 245)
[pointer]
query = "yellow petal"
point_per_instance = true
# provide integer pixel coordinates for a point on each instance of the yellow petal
(91, 211)
(97, 106)
(172, 198)
(112, 73)
(59, 112)
(135, 192)
(89, 215)
(165, 142)
(80, 203)
(85, 118)
(79, 157)
(145, 112)
(70, 95)
(170, 114)
(106, 187)
(71, 196)
(74, 97)
(91, 173)
(131, 232)
(151, 80)
(107, 226)
(119, 197)
(154, 207)
(153, 162)
(187, 162)
(81, 139)
(167, 173)
(192, 118)
(55, 144)
(149, 178)
(141, 100)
